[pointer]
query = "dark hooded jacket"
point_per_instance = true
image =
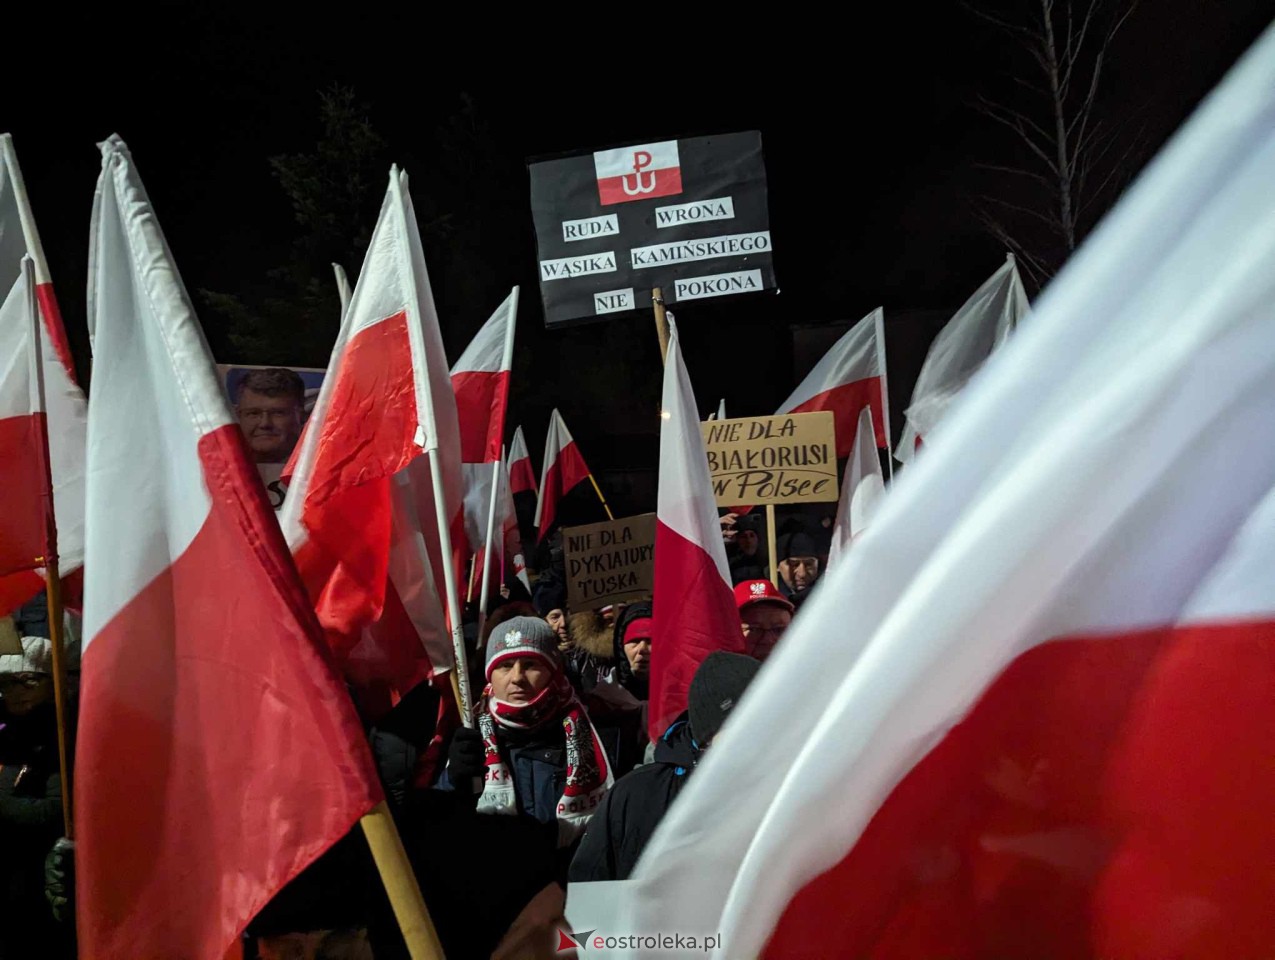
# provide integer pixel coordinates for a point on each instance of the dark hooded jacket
(634, 807)
(797, 541)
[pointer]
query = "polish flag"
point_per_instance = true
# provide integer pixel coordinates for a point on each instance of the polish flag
(23, 522)
(218, 752)
(982, 325)
(862, 490)
(1031, 713)
(850, 376)
(361, 513)
(638, 173)
(564, 467)
(521, 477)
(480, 381)
(694, 603)
(511, 537)
(64, 407)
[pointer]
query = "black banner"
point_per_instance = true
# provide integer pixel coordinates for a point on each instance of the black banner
(688, 216)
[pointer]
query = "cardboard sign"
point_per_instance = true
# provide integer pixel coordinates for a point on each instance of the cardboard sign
(688, 216)
(791, 458)
(609, 562)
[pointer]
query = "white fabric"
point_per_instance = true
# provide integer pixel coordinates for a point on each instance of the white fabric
(982, 325)
(858, 355)
(36, 657)
(684, 502)
(18, 393)
(492, 348)
(1074, 489)
(862, 489)
(518, 448)
(157, 393)
(556, 441)
(64, 403)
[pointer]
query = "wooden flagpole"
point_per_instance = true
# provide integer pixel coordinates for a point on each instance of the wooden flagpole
(400, 884)
(598, 491)
(771, 545)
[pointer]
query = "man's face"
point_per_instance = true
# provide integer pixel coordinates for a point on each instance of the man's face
(799, 573)
(763, 624)
(746, 540)
(557, 620)
(519, 679)
(638, 652)
(23, 692)
(271, 425)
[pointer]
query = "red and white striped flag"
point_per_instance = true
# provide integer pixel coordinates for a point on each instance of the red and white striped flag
(23, 524)
(564, 467)
(480, 381)
(1031, 713)
(850, 376)
(65, 410)
(982, 325)
(218, 752)
(862, 489)
(511, 536)
(522, 478)
(361, 513)
(694, 604)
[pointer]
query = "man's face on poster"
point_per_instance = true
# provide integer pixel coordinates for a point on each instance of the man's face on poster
(270, 425)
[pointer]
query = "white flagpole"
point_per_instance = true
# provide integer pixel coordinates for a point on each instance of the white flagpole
(885, 390)
(342, 287)
(29, 231)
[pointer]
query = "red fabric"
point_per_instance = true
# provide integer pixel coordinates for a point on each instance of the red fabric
(481, 400)
(564, 473)
(53, 326)
(218, 752)
(695, 614)
(846, 402)
(17, 588)
(1101, 800)
(22, 520)
(521, 477)
(368, 436)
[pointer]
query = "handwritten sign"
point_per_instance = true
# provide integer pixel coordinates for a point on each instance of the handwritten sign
(791, 458)
(610, 562)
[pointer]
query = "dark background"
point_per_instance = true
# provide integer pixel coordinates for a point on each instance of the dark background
(870, 142)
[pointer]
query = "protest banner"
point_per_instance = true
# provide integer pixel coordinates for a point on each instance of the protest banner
(791, 458)
(609, 562)
(687, 217)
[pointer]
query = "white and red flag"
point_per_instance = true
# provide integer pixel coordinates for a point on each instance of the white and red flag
(563, 469)
(371, 530)
(1031, 712)
(694, 604)
(510, 535)
(862, 490)
(638, 173)
(218, 752)
(982, 325)
(849, 377)
(522, 479)
(64, 410)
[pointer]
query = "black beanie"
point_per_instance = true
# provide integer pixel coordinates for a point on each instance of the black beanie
(715, 689)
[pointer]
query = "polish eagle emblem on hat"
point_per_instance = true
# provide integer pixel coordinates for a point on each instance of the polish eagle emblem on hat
(513, 638)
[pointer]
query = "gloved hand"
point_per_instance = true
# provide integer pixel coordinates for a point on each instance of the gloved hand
(467, 759)
(59, 880)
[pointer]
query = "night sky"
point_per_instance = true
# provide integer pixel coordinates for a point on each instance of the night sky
(870, 148)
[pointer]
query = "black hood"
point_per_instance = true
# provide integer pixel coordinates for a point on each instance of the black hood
(623, 672)
(677, 747)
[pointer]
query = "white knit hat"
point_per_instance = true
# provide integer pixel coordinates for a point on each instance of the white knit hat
(37, 657)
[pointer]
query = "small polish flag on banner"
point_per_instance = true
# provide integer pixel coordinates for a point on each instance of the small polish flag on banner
(522, 479)
(638, 173)
(850, 376)
(1031, 712)
(564, 467)
(219, 753)
(861, 490)
(982, 325)
(695, 611)
(64, 409)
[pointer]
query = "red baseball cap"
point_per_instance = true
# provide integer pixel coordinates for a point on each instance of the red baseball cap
(760, 591)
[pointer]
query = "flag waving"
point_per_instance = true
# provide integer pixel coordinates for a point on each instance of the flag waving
(850, 376)
(861, 490)
(982, 324)
(564, 468)
(64, 408)
(203, 669)
(694, 604)
(1030, 714)
(522, 479)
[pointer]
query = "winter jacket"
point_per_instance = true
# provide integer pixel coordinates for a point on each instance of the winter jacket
(634, 807)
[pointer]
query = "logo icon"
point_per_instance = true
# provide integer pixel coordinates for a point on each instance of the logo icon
(569, 940)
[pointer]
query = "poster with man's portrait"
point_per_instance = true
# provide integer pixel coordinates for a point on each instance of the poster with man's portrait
(271, 405)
